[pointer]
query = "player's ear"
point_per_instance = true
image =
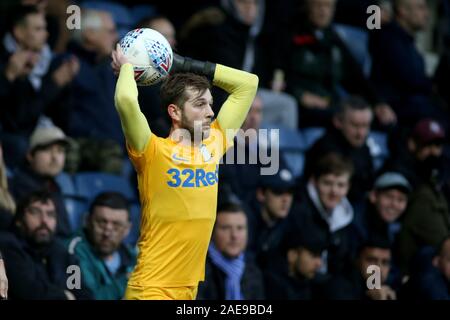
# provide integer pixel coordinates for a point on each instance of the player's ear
(174, 112)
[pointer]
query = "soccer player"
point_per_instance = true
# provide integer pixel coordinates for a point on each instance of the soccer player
(178, 177)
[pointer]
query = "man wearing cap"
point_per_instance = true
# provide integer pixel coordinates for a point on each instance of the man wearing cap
(45, 160)
(267, 222)
(421, 157)
(386, 204)
(427, 219)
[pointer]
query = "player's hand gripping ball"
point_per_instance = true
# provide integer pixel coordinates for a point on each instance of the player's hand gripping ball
(150, 54)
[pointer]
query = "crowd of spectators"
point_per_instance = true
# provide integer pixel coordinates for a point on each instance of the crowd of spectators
(317, 233)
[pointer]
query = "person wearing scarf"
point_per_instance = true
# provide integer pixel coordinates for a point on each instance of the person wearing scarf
(230, 273)
(233, 269)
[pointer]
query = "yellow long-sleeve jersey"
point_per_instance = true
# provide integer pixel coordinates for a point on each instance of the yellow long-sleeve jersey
(178, 195)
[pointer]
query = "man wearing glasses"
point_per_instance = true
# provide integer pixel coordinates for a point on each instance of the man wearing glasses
(105, 261)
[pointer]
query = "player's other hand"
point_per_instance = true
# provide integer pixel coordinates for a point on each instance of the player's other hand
(118, 59)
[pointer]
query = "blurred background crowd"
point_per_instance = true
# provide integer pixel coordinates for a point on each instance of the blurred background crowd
(362, 122)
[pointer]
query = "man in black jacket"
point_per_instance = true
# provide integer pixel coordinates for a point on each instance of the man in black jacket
(399, 69)
(367, 278)
(322, 206)
(267, 221)
(292, 274)
(46, 158)
(37, 264)
(30, 85)
(348, 138)
(230, 274)
(321, 70)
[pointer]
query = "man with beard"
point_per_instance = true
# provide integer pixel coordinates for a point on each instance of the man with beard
(37, 264)
(427, 220)
(178, 175)
(105, 261)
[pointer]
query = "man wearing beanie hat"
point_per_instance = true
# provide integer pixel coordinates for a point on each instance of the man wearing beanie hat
(272, 205)
(385, 206)
(45, 160)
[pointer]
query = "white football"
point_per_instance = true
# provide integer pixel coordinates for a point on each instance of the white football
(150, 54)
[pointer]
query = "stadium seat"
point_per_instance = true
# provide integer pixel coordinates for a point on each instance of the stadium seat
(291, 145)
(76, 205)
(89, 184)
(77, 209)
(311, 135)
(357, 41)
(135, 215)
(142, 11)
(66, 184)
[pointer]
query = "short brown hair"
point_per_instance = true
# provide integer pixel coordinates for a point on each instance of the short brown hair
(332, 163)
(173, 89)
(351, 103)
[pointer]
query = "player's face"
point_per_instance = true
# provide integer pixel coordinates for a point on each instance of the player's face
(390, 204)
(108, 228)
(230, 233)
(39, 222)
(332, 188)
(49, 161)
(197, 113)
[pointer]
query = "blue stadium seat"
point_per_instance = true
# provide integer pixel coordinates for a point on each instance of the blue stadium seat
(77, 209)
(142, 11)
(295, 162)
(66, 184)
(291, 145)
(76, 205)
(135, 215)
(311, 135)
(90, 184)
(357, 41)
(287, 138)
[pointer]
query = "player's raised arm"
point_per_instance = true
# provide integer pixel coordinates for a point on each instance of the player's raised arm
(134, 124)
(241, 86)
